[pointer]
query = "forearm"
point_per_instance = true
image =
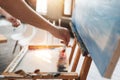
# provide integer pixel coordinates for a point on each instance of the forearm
(3, 12)
(20, 10)
(23, 12)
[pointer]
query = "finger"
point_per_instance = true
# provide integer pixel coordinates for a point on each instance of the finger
(15, 24)
(62, 42)
(66, 43)
(12, 20)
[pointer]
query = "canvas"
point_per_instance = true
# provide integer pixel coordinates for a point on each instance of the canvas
(96, 24)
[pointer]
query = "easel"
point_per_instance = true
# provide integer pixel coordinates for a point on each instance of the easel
(56, 75)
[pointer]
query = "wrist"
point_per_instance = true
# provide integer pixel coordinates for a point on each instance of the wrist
(52, 28)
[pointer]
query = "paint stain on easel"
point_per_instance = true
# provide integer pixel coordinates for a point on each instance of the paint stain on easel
(62, 61)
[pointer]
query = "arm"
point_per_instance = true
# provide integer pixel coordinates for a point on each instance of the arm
(3, 12)
(22, 11)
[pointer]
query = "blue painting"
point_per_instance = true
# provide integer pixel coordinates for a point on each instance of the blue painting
(96, 24)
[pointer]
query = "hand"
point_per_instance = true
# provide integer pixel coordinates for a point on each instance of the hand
(62, 33)
(15, 22)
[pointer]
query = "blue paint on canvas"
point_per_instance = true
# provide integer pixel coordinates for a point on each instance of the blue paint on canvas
(97, 24)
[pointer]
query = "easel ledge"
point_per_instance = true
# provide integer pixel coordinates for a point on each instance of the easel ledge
(41, 75)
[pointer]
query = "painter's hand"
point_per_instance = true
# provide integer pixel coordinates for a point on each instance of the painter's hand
(15, 22)
(62, 33)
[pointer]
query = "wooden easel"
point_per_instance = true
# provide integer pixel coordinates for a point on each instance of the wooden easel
(85, 65)
(57, 75)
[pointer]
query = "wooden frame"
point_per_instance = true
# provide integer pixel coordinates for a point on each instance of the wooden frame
(42, 75)
(72, 5)
(114, 60)
(8, 74)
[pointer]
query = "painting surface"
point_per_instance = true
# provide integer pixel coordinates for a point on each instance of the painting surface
(96, 23)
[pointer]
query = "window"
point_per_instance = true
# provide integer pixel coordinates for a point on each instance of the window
(41, 7)
(68, 5)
